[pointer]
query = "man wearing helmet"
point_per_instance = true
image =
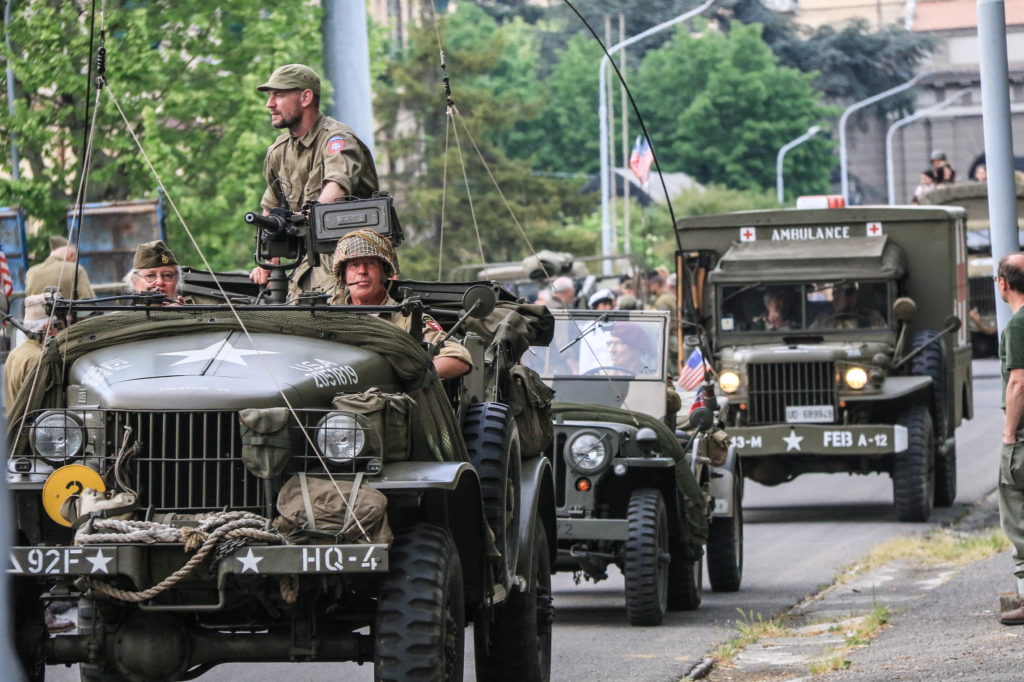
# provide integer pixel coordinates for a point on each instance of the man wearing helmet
(364, 261)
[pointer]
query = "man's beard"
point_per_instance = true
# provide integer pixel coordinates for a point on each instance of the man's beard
(284, 122)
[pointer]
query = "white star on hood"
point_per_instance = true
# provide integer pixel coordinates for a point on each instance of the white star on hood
(792, 441)
(99, 562)
(221, 350)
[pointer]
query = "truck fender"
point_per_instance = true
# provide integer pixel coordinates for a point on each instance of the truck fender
(723, 478)
(537, 501)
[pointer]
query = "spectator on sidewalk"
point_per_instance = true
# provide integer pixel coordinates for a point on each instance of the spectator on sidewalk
(1010, 281)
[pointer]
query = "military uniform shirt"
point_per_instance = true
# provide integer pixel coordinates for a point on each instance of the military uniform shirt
(432, 331)
(296, 169)
(21, 362)
(57, 272)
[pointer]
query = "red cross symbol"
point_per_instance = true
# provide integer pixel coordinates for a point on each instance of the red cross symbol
(874, 229)
(748, 234)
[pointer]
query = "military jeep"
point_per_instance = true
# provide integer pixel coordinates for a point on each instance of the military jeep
(188, 423)
(836, 335)
(630, 489)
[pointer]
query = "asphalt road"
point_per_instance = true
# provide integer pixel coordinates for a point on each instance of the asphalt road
(798, 535)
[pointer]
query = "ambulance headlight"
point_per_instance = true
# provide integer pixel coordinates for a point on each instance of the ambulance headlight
(340, 437)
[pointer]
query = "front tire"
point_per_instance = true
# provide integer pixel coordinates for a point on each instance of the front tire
(928, 363)
(520, 635)
(646, 558)
(420, 626)
(913, 474)
(725, 548)
(28, 627)
(493, 444)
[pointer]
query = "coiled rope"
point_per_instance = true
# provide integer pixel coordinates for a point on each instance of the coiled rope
(230, 530)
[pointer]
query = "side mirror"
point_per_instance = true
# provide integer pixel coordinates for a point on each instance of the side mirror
(952, 323)
(646, 438)
(702, 418)
(903, 308)
(479, 300)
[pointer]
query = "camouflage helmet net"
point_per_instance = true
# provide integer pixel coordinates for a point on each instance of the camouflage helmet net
(363, 244)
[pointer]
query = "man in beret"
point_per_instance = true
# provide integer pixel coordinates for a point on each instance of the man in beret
(156, 269)
(364, 262)
(317, 159)
(58, 270)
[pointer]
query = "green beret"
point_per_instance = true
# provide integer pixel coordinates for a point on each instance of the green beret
(57, 241)
(153, 255)
(293, 77)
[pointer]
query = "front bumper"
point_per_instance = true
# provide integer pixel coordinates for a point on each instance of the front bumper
(133, 560)
(819, 439)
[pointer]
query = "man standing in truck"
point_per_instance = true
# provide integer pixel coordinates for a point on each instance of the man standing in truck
(1010, 282)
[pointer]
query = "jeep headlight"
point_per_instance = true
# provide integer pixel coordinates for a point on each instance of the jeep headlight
(856, 378)
(729, 381)
(340, 437)
(587, 452)
(57, 437)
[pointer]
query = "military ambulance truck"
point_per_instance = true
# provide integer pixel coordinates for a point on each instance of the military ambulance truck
(836, 335)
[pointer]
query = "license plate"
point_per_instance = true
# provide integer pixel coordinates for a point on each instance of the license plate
(63, 561)
(290, 559)
(810, 414)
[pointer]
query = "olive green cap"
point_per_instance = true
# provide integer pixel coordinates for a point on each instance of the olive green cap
(293, 77)
(57, 241)
(153, 255)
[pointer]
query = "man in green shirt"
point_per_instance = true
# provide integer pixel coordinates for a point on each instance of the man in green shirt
(58, 270)
(1010, 281)
(316, 159)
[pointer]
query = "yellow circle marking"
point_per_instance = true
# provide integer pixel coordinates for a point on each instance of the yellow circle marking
(69, 480)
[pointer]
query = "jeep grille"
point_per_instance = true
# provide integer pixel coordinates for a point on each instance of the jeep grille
(773, 386)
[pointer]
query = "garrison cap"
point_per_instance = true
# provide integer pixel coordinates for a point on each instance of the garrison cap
(57, 241)
(293, 77)
(362, 244)
(153, 255)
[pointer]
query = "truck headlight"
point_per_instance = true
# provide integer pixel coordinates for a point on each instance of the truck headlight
(340, 437)
(57, 437)
(587, 452)
(856, 378)
(729, 381)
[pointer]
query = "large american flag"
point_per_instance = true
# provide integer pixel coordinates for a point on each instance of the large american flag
(693, 371)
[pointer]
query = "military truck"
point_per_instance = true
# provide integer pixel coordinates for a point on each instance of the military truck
(630, 490)
(836, 335)
(973, 198)
(258, 482)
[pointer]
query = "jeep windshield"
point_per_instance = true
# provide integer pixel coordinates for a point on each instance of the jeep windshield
(823, 306)
(601, 344)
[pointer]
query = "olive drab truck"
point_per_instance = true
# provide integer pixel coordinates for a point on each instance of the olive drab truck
(836, 334)
(277, 482)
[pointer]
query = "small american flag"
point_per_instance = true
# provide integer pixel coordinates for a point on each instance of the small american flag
(5, 275)
(641, 158)
(698, 400)
(693, 371)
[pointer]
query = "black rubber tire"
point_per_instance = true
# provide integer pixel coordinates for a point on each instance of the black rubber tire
(913, 471)
(493, 444)
(725, 548)
(520, 633)
(420, 627)
(685, 581)
(945, 477)
(28, 627)
(646, 558)
(928, 363)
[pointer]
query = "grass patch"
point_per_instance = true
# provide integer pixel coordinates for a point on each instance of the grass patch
(864, 632)
(752, 627)
(940, 546)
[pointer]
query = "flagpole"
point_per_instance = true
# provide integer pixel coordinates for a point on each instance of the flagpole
(627, 246)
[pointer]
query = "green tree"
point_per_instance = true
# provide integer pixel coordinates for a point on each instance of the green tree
(184, 74)
(720, 107)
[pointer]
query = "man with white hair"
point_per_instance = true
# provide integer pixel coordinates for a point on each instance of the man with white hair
(155, 269)
(58, 270)
(563, 293)
(21, 361)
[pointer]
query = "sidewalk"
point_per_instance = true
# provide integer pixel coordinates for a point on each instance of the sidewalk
(942, 625)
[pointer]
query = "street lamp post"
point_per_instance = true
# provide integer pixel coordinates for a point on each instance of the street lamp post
(889, 134)
(602, 115)
(811, 132)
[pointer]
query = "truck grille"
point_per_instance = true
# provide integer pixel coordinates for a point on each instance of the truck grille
(773, 386)
(982, 294)
(192, 461)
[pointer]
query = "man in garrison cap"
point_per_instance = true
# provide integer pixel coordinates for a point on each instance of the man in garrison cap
(58, 270)
(155, 269)
(316, 159)
(364, 263)
(21, 361)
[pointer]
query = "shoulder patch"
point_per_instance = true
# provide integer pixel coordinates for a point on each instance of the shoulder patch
(335, 144)
(432, 323)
